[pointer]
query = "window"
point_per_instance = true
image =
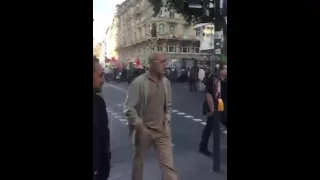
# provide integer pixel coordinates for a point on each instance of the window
(159, 48)
(198, 32)
(162, 12)
(149, 29)
(184, 49)
(196, 50)
(171, 29)
(171, 15)
(161, 28)
(185, 31)
(171, 48)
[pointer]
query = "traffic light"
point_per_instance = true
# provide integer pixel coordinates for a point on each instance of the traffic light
(197, 8)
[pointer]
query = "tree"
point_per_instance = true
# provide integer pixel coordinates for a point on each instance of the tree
(189, 16)
(224, 58)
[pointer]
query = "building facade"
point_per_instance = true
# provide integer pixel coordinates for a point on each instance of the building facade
(97, 51)
(112, 39)
(105, 42)
(132, 31)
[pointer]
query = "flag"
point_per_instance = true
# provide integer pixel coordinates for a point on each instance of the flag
(107, 60)
(113, 60)
(138, 63)
(119, 66)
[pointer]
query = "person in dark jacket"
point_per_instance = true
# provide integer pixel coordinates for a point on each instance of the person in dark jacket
(216, 87)
(101, 133)
(193, 77)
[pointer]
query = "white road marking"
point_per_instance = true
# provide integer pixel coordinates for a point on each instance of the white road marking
(175, 111)
(117, 117)
(109, 111)
(127, 123)
(197, 120)
(123, 120)
(188, 116)
(114, 114)
(181, 113)
(203, 123)
(225, 132)
(119, 88)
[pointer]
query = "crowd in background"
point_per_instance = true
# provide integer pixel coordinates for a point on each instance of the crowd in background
(194, 76)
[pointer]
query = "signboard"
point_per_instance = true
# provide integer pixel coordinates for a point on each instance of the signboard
(206, 35)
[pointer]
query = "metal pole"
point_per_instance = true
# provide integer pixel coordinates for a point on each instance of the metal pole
(216, 54)
(217, 115)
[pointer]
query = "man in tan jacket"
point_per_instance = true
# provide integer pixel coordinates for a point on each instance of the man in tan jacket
(148, 111)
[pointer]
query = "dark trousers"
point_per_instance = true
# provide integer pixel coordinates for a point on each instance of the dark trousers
(96, 177)
(208, 129)
(192, 85)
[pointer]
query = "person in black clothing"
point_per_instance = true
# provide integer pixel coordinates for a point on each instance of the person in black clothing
(215, 88)
(193, 77)
(101, 133)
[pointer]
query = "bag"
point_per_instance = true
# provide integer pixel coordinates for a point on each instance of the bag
(220, 103)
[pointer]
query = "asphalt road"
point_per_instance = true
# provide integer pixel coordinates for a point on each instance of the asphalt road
(187, 124)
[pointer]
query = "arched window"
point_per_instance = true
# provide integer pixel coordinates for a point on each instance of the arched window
(149, 29)
(161, 28)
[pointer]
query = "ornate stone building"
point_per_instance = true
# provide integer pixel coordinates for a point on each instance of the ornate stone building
(132, 25)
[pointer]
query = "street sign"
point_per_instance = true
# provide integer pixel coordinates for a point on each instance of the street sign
(218, 35)
(217, 51)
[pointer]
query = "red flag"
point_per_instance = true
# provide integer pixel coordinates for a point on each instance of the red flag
(113, 60)
(119, 65)
(138, 63)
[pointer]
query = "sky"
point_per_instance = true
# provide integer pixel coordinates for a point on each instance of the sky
(103, 11)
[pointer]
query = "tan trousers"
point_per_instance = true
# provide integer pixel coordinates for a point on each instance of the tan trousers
(143, 139)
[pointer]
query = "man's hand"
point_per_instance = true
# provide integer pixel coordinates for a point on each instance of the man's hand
(138, 126)
(210, 103)
(211, 112)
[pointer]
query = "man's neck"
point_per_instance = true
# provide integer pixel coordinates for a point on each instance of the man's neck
(155, 76)
(222, 77)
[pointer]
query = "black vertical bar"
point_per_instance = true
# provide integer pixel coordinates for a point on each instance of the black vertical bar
(216, 119)
(216, 141)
